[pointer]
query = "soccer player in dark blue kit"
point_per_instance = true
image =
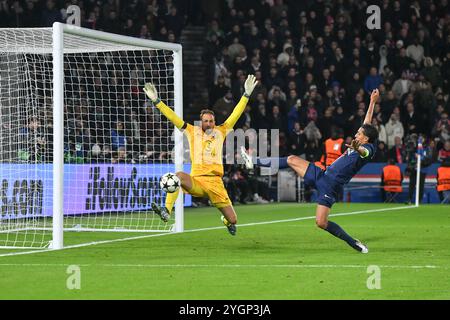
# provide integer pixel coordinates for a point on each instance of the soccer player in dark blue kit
(330, 182)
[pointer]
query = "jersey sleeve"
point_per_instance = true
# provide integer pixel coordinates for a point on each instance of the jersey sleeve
(170, 115)
(188, 129)
(370, 151)
(236, 114)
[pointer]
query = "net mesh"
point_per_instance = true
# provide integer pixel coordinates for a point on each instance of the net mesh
(115, 145)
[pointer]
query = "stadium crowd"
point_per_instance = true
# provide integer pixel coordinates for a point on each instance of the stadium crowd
(316, 61)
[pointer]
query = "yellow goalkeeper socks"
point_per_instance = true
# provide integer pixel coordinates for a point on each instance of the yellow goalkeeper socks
(170, 200)
(226, 222)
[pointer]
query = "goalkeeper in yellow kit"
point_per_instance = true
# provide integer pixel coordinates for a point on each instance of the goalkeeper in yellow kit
(205, 142)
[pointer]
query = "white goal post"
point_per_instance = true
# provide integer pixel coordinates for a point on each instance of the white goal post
(82, 149)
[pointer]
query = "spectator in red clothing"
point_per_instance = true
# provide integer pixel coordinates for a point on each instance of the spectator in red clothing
(444, 153)
(398, 152)
(442, 128)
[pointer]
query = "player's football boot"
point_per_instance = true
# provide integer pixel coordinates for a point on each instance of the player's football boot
(247, 159)
(361, 247)
(161, 211)
(232, 229)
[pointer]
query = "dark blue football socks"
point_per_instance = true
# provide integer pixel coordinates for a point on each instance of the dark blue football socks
(268, 162)
(337, 231)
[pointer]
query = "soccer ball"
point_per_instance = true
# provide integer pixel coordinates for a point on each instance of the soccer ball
(169, 183)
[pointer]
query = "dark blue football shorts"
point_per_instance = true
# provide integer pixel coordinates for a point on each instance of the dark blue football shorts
(328, 191)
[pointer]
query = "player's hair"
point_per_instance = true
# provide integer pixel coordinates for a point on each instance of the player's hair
(206, 111)
(370, 132)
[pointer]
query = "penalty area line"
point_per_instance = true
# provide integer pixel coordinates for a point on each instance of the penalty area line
(262, 266)
(201, 229)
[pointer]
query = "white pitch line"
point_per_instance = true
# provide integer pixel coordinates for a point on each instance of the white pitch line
(203, 229)
(282, 266)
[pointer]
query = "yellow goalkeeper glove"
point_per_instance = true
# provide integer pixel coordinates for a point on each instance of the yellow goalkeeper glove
(151, 92)
(250, 85)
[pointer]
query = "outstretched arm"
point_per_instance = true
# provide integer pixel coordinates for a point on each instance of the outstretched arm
(152, 94)
(356, 145)
(249, 86)
(373, 99)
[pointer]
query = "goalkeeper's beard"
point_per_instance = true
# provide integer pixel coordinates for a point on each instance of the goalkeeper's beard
(207, 129)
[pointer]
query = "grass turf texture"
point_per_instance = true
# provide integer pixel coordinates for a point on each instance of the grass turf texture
(285, 260)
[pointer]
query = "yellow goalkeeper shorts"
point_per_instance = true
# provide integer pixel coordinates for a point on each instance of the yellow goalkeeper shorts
(210, 187)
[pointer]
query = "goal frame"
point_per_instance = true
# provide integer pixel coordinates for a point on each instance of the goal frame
(58, 31)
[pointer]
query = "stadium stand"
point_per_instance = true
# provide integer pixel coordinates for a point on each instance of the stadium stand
(315, 60)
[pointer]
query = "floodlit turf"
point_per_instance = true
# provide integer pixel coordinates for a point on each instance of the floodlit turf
(282, 260)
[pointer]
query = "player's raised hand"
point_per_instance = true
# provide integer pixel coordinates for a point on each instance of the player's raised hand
(151, 92)
(355, 144)
(374, 96)
(250, 84)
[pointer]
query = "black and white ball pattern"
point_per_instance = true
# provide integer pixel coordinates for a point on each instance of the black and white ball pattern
(169, 183)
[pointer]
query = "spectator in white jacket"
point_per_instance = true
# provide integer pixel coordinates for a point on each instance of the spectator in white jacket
(402, 86)
(415, 51)
(394, 128)
(382, 136)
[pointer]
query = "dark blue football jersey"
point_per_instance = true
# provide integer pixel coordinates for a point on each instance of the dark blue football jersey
(347, 165)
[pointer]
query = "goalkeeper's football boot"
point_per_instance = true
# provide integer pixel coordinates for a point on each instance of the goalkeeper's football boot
(361, 247)
(161, 211)
(232, 229)
(247, 159)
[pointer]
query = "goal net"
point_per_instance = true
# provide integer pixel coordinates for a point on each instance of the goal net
(81, 148)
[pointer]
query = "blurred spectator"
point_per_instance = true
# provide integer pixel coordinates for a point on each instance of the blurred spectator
(313, 152)
(219, 90)
(33, 141)
(411, 169)
(239, 186)
(277, 98)
(262, 120)
(215, 30)
(401, 61)
(122, 156)
(294, 115)
(246, 121)
(411, 120)
(444, 153)
(334, 147)
(339, 117)
(432, 73)
(402, 86)
(391, 181)
(355, 121)
(443, 181)
(382, 135)
(372, 81)
(398, 151)
(442, 128)
(415, 51)
(277, 120)
(223, 107)
(312, 132)
(382, 153)
(118, 139)
(174, 21)
(50, 13)
(324, 123)
(297, 140)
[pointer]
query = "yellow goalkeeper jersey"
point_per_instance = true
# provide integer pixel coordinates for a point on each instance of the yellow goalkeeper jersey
(206, 149)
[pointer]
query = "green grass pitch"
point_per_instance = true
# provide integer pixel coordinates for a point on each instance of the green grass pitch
(281, 260)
